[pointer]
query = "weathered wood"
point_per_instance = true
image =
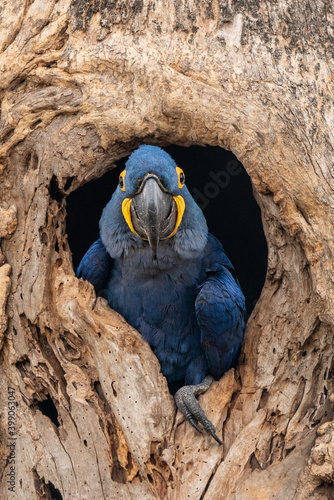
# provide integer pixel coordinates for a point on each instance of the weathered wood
(82, 84)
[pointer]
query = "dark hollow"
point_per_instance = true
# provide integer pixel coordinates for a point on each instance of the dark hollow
(54, 492)
(48, 408)
(220, 186)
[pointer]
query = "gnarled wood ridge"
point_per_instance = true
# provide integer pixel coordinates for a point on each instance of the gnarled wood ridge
(82, 84)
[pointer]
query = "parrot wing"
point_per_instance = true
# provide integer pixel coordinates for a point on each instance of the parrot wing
(95, 265)
(220, 311)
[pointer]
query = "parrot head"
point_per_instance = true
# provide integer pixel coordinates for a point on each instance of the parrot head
(154, 206)
(153, 198)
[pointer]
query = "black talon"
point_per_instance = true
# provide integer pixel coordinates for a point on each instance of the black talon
(216, 438)
(194, 424)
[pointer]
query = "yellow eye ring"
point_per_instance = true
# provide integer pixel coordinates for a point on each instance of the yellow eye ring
(181, 177)
(122, 180)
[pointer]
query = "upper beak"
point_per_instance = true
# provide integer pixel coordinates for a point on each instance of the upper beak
(153, 212)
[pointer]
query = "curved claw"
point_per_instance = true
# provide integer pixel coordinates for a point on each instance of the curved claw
(187, 403)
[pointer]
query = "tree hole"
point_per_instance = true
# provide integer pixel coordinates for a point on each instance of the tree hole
(220, 186)
(46, 490)
(54, 190)
(54, 492)
(48, 408)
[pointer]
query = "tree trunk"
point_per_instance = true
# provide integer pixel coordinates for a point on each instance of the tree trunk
(84, 83)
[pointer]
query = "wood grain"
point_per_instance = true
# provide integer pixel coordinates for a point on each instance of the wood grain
(83, 84)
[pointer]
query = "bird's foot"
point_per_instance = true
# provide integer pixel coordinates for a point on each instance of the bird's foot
(187, 403)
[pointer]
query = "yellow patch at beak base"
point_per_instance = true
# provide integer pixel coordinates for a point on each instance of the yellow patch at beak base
(127, 214)
(180, 205)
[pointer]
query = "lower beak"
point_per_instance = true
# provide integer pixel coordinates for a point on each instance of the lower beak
(154, 213)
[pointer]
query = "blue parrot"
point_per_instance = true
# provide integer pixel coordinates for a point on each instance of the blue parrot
(158, 266)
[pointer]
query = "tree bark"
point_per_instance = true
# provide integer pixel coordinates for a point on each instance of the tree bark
(82, 84)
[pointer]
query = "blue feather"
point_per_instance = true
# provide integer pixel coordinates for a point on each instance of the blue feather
(95, 265)
(220, 312)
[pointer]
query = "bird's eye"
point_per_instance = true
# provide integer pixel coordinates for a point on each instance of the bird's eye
(122, 180)
(181, 177)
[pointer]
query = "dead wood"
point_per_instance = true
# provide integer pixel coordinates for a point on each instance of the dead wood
(82, 84)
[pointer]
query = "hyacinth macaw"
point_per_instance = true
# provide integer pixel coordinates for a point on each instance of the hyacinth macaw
(158, 266)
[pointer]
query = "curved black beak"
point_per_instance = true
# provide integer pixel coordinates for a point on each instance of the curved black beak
(153, 212)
